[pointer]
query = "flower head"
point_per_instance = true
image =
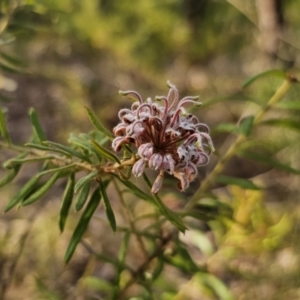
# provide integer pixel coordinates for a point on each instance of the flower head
(167, 138)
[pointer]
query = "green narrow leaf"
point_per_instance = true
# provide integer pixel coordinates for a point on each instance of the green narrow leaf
(227, 127)
(105, 258)
(82, 196)
(270, 161)
(84, 180)
(275, 73)
(10, 176)
(283, 123)
(109, 212)
(98, 284)
(68, 150)
(235, 97)
(83, 224)
(6, 38)
(210, 209)
(43, 190)
(13, 162)
(216, 285)
(246, 125)
(123, 251)
(81, 142)
(45, 292)
(23, 192)
(9, 69)
(38, 130)
(293, 105)
(66, 202)
(86, 139)
(99, 137)
(49, 149)
(243, 183)
(159, 266)
(97, 123)
(121, 264)
(138, 192)
(3, 128)
(170, 215)
(54, 170)
(13, 173)
(12, 59)
(105, 152)
(182, 259)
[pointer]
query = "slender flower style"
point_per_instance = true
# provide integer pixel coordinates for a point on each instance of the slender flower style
(167, 138)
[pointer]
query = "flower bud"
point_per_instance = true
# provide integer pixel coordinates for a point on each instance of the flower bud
(169, 163)
(157, 183)
(155, 161)
(120, 129)
(138, 168)
(117, 143)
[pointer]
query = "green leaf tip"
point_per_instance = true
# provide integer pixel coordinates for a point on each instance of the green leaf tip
(82, 196)
(246, 125)
(85, 180)
(47, 148)
(42, 190)
(38, 130)
(243, 183)
(83, 224)
(104, 152)
(276, 73)
(14, 162)
(24, 191)
(169, 214)
(292, 105)
(267, 159)
(66, 202)
(14, 171)
(227, 127)
(3, 128)
(63, 168)
(67, 149)
(97, 123)
(10, 176)
(283, 123)
(109, 212)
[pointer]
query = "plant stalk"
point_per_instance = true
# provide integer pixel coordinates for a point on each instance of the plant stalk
(208, 181)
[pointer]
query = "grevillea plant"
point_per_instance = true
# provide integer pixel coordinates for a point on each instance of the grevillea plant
(160, 135)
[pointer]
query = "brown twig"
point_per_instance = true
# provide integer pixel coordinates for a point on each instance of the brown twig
(130, 218)
(139, 273)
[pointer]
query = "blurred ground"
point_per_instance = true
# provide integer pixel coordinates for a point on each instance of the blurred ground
(82, 53)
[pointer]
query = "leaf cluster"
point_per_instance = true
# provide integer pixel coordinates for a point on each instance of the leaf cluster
(85, 154)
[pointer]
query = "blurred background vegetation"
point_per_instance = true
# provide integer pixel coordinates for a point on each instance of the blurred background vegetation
(60, 55)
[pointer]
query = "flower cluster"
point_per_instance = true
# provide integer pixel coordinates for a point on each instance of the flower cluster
(167, 138)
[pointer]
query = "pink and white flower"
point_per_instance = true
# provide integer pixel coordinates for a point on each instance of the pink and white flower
(167, 138)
